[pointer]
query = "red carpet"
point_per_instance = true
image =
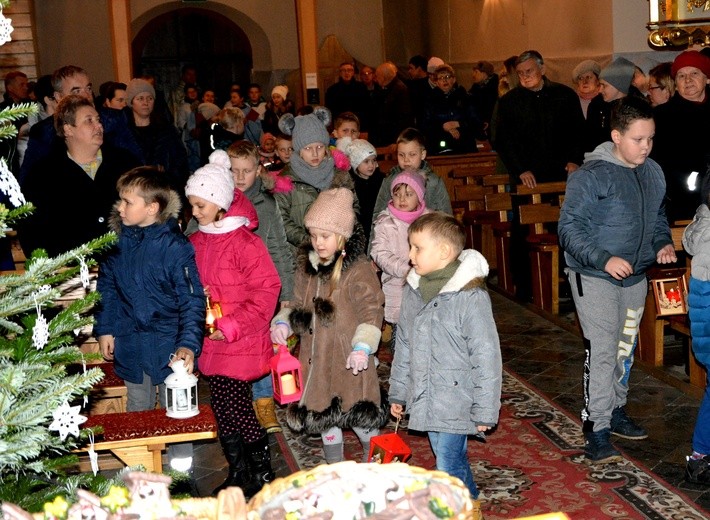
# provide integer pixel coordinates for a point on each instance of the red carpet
(533, 464)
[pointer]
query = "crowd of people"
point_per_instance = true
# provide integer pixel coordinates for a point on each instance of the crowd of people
(285, 219)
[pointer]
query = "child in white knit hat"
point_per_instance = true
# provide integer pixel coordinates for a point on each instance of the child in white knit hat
(237, 272)
(337, 312)
(366, 175)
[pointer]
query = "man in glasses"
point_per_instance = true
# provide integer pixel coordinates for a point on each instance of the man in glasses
(348, 94)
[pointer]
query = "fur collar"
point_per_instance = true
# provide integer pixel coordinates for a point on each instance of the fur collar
(172, 210)
(471, 273)
(309, 261)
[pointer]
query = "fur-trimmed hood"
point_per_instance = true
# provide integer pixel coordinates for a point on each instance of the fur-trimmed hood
(171, 210)
(470, 275)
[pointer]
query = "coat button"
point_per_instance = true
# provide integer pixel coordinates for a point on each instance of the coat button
(309, 361)
(436, 304)
(456, 383)
(101, 220)
(310, 331)
(314, 298)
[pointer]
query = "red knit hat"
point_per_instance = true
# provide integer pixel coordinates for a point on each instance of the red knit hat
(691, 59)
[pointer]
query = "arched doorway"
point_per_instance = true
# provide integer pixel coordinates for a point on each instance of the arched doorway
(214, 44)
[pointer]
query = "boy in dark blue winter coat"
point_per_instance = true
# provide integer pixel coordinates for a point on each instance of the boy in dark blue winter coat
(152, 302)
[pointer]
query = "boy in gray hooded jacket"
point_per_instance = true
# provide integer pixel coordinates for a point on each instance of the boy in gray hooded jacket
(612, 228)
(447, 362)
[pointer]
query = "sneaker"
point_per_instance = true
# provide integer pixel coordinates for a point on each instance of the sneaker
(598, 449)
(698, 470)
(622, 426)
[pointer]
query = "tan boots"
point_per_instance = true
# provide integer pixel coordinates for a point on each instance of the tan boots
(265, 409)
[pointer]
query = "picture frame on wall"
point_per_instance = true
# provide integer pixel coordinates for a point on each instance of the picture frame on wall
(671, 295)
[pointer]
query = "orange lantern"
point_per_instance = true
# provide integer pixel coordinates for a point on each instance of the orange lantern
(286, 376)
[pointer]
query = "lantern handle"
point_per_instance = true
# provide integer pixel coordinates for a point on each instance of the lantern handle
(396, 426)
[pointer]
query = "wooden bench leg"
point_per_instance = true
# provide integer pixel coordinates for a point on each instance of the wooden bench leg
(544, 268)
(650, 347)
(505, 278)
(151, 456)
(698, 375)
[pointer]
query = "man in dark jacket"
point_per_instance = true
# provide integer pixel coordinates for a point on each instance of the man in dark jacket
(612, 228)
(348, 94)
(74, 186)
(393, 110)
(538, 134)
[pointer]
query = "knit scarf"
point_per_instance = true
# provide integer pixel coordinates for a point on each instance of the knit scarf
(431, 284)
(320, 177)
(225, 225)
(406, 216)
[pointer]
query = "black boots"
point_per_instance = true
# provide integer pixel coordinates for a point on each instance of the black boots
(259, 461)
(234, 452)
(249, 464)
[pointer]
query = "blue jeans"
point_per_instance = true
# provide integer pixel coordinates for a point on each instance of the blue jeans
(450, 452)
(701, 434)
(263, 387)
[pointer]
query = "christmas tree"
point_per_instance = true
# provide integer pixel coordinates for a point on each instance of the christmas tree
(40, 399)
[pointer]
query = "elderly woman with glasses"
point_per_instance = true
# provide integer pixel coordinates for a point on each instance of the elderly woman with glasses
(450, 122)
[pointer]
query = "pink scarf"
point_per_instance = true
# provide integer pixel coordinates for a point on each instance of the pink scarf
(406, 216)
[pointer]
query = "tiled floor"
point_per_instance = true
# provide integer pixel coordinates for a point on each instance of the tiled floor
(548, 354)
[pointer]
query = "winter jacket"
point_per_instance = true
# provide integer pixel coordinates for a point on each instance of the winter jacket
(152, 300)
(236, 269)
(367, 191)
(330, 325)
(390, 251)
(447, 367)
(436, 197)
(456, 105)
(71, 208)
(539, 131)
(682, 146)
(271, 230)
(295, 203)
(696, 241)
(613, 210)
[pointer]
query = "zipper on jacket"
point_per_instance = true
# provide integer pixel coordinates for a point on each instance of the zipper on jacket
(643, 218)
(187, 279)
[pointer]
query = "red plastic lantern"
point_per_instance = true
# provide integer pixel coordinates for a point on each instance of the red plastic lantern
(286, 376)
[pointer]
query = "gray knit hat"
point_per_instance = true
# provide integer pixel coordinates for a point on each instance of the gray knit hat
(138, 86)
(619, 74)
(357, 150)
(332, 211)
(213, 182)
(584, 67)
(307, 129)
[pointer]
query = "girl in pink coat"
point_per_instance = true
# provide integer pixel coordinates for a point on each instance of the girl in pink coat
(390, 245)
(236, 270)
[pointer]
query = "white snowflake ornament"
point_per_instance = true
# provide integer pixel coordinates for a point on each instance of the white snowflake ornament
(67, 420)
(8, 183)
(5, 29)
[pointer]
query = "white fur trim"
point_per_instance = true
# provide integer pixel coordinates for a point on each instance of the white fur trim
(473, 265)
(369, 335)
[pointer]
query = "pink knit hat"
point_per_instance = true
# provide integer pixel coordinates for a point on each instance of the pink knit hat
(332, 211)
(414, 180)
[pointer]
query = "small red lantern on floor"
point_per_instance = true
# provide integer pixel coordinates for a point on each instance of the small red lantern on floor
(286, 376)
(388, 447)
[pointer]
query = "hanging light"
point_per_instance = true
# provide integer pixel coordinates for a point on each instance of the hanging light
(181, 392)
(286, 376)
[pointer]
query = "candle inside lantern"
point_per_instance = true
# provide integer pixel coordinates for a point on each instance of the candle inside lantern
(212, 313)
(673, 295)
(288, 384)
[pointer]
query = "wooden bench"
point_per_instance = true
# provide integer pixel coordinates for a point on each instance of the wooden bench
(653, 325)
(109, 395)
(538, 208)
(456, 170)
(140, 437)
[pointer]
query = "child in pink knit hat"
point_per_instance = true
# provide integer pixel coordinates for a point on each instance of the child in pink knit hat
(337, 312)
(390, 244)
